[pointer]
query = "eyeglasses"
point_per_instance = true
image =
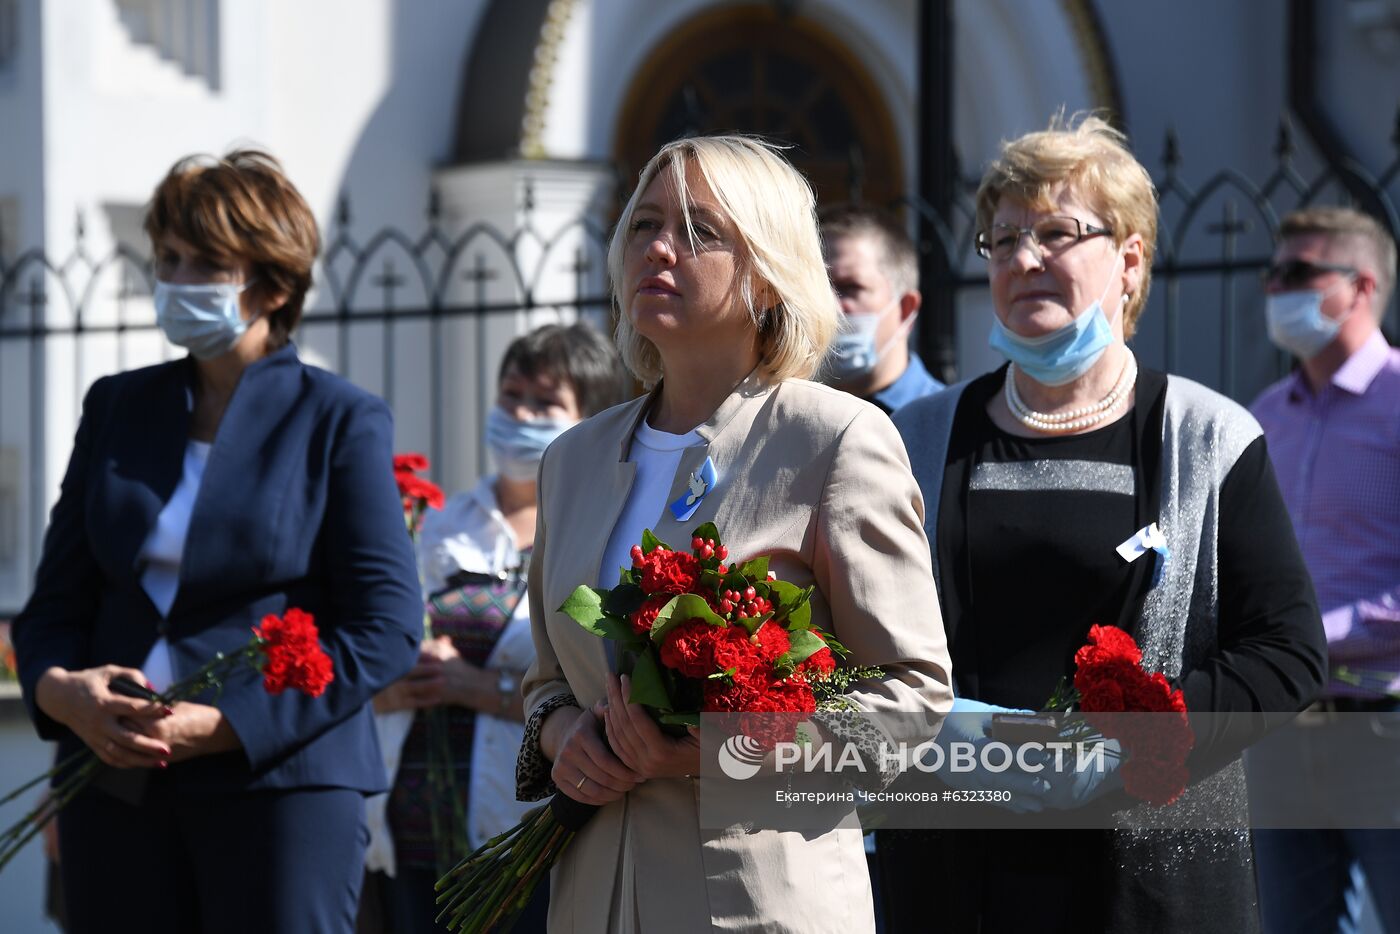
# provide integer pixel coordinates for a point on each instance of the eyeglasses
(1296, 273)
(1050, 235)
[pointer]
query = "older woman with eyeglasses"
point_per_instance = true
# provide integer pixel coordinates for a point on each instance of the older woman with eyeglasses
(1034, 475)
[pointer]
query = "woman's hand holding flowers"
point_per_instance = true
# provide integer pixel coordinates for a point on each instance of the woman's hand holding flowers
(1074, 788)
(967, 724)
(115, 727)
(640, 743)
(192, 730)
(585, 768)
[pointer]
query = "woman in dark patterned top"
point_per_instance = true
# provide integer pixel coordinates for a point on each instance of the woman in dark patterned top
(1037, 479)
(472, 557)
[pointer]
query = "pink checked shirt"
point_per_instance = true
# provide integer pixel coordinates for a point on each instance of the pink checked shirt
(1337, 456)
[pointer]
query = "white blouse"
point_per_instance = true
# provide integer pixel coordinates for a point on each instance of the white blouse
(162, 552)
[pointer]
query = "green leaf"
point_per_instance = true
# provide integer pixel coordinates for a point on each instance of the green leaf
(650, 542)
(648, 688)
(680, 719)
(623, 600)
(791, 603)
(800, 618)
(686, 606)
(805, 644)
(756, 570)
(721, 675)
(584, 606)
(835, 646)
(751, 623)
(708, 531)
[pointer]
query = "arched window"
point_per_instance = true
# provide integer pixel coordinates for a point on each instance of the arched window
(752, 69)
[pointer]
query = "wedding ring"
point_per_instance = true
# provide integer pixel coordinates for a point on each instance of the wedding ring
(579, 786)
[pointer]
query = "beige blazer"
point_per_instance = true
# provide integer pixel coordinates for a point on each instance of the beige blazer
(819, 481)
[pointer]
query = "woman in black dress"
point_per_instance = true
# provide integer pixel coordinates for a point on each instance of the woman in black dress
(1033, 476)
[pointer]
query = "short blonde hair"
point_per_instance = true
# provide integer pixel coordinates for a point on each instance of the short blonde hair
(774, 212)
(1356, 230)
(1091, 158)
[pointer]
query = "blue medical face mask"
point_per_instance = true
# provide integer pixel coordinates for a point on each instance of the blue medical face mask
(1064, 354)
(205, 318)
(1297, 324)
(853, 352)
(518, 446)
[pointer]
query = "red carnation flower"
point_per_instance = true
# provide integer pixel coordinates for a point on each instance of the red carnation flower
(1127, 675)
(413, 488)
(410, 461)
(1108, 644)
(644, 616)
(669, 572)
(690, 648)
(1154, 780)
(818, 665)
(734, 649)
(772, 640)
(293, 654)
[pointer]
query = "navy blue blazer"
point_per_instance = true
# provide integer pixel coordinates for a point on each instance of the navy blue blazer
(298, 508)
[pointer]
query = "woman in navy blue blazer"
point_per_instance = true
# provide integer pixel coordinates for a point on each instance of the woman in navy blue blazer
(201, 495)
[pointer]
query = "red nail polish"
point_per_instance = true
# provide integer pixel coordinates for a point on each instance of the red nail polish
(163, 764)
(150, 687)
(166, 711)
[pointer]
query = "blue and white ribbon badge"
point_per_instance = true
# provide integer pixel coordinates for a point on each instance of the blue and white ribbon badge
(701, 482)
(1148, 538)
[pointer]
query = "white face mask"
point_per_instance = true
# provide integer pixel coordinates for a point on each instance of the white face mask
(853, 352)
(204, 318)
(1297, 324)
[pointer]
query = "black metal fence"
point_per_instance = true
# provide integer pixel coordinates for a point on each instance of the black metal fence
(422, 320)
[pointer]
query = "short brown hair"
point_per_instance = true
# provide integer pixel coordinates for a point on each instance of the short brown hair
(1091, 158)
(242, 208)
(576, 354)
(899, 261)
(1360, 229)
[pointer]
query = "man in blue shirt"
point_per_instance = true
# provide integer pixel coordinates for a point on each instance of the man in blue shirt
(875, 272)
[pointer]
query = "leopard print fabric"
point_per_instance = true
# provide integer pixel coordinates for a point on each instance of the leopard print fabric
(852, 726)
(532, 781)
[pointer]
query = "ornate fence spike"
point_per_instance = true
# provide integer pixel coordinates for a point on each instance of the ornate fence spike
(1395, 134)
(79, 228)
(342, 211)
(1171, 151)
(434, 205)
(1283, 143)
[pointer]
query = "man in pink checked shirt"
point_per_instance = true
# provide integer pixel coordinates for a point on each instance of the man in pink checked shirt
(1333, 430)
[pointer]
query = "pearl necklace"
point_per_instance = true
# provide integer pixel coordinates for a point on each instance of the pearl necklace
(1075, 419)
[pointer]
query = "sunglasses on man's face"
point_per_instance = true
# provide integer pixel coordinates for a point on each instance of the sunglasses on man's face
(1296, 273)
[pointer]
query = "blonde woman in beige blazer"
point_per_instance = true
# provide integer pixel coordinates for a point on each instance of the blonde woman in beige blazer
(725, 309)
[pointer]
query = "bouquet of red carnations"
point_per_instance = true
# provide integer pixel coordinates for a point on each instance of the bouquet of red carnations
(286, 649)
(1109, 683)
(697, 635)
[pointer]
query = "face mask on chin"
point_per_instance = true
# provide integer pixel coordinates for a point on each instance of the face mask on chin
(853, 353)
(1064, 354)
(1297, 324)
(205, 318)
